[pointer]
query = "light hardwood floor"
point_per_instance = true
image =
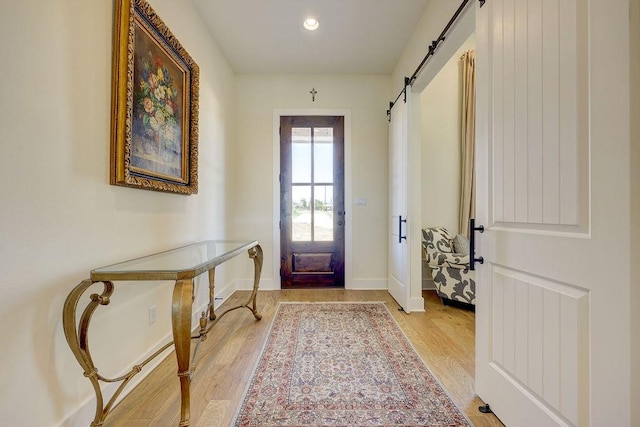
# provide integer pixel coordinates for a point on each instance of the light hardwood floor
(443, 336)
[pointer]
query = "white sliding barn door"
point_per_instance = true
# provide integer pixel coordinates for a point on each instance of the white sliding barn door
(399, 277)
(551, 343)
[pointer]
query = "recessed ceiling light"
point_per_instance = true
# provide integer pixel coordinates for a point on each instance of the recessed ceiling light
(311, 24)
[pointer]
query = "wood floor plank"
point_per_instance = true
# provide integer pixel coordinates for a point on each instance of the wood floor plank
(443, 336)
(214, 413)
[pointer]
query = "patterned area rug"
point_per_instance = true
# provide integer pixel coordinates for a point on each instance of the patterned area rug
(342, 364)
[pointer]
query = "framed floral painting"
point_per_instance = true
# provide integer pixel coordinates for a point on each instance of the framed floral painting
(154, 142)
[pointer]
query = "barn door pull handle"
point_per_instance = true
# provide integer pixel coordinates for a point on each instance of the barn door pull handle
(472, 244)
(400, 236)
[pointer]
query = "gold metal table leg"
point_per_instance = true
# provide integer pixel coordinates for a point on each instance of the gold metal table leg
(181, 323)
(212, 275)
(79, 342)
(255, 253)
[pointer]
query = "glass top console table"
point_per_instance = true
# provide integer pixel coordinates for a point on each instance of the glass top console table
(182, 265)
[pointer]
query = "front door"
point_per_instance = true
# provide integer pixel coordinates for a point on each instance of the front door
(312, 215)
(552, 324)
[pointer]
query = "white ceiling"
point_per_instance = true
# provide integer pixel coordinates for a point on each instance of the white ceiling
(354, 37)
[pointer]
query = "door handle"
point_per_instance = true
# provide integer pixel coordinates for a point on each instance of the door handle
(472, 244)
(400, 236)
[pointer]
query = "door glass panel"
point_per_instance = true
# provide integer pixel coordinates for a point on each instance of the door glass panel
(323, 155)
(323, 213)
(301, 155)
(301, 213)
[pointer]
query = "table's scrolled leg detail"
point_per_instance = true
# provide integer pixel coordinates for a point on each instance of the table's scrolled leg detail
(181, 322)
(78, 339)
(256, 254)
(77, 336)
(212, 278)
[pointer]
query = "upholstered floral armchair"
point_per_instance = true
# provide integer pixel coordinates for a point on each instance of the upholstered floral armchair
(448, 259)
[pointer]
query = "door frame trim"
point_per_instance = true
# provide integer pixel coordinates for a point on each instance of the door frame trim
(348, 244)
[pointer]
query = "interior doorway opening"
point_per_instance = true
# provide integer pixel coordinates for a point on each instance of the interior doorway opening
(441, 106)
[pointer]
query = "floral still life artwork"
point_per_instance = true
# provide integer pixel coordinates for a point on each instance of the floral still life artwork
(157, 137)
(154, 142)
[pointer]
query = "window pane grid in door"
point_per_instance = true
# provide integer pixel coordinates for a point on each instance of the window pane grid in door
(312, 184)
(323, 155)
(301, 214)
(323, 213)
(301, 155)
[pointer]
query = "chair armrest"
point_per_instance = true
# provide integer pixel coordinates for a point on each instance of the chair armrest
(441, 259)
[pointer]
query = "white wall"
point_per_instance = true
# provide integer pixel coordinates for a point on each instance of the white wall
(441, 103)
(60, 218)
(366, 97)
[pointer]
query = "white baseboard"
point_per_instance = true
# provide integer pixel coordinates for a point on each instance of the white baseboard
(221, 295)
(247, 285)
(416, 304)
(272, 285)
(428, 285)
(368, 284)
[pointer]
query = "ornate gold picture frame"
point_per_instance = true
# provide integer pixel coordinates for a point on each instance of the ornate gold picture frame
(154, 130)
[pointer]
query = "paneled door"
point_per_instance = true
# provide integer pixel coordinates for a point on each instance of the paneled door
(312, 215)
(550, 343)
(399, 282)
